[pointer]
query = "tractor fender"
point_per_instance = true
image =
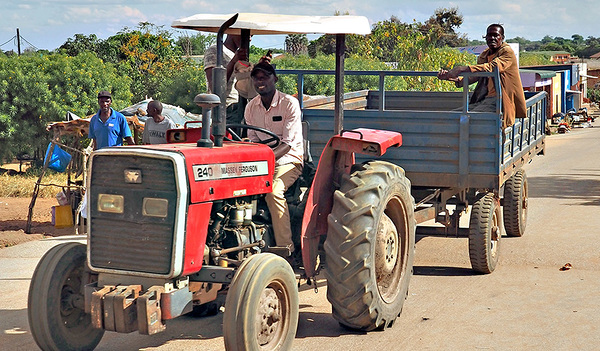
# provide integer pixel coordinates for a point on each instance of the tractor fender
(336, 159)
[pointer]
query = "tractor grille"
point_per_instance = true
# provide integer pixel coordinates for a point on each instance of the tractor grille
(132, 241)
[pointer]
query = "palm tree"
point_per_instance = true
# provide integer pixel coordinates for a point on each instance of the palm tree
(296, 44)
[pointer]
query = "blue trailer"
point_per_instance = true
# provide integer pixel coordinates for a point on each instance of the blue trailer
(452, 156)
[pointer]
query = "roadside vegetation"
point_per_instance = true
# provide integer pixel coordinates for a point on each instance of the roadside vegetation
(22, 184)
(149, 61)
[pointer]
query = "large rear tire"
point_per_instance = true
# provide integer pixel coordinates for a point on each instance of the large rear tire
(370, 246)
(55, 306)
(261, 308)
(484, 234)
(516, 198)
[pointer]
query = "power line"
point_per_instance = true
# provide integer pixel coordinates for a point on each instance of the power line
(8, 41)
(17, 39)
(25, 40)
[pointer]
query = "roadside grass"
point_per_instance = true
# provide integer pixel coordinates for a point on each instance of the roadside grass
(22, 185)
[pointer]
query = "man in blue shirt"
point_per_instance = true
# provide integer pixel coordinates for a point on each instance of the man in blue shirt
(108, 127)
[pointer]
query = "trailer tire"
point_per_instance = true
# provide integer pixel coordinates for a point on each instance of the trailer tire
(484, 234)
(55, 310)
(516, 198)
(264, 289)
(370, 246)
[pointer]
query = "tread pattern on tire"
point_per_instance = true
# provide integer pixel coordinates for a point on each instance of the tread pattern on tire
(513, 216)
(480, 234)
(236, 308)
(350, 271)
(44, 321)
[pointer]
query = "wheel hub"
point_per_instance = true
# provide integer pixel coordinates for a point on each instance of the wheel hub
(386, 251)
(268, 316)
(495, 233)
(495, 237)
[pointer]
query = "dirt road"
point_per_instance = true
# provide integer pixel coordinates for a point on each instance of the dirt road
(528, 303)
(13, 220)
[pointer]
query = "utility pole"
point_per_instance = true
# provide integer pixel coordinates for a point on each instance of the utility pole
(18, 43)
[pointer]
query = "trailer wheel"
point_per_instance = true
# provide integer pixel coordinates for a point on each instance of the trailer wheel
(261, 308)
(516, 199)
(370, 246)
(55, 306)
(484, 234)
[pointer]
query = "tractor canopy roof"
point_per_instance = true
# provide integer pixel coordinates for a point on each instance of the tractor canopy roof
(263, 23)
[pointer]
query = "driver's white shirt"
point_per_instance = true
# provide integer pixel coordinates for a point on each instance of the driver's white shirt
(284, 118)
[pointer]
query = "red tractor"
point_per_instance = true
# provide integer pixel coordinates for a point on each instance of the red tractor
(172, 227)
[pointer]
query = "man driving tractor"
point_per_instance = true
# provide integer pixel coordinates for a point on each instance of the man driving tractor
(281, 114)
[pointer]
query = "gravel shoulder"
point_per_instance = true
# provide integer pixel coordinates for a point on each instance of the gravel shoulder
(13, 220)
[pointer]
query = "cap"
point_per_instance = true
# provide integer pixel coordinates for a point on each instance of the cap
(104, 93)
(265, 67)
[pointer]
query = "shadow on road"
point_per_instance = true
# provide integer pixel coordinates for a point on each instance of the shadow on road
(443, 271)
(207, 328)
(312, 324)
(560, 186)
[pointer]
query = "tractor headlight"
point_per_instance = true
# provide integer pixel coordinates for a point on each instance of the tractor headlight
(110, 203)
(155, 207)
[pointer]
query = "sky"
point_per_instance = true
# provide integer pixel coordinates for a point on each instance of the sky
(47, 24)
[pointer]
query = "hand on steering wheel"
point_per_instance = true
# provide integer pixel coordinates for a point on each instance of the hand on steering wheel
(274, 138)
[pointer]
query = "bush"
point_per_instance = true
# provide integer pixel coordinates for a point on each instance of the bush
(183, 86)
(594, 95)
(38, 89)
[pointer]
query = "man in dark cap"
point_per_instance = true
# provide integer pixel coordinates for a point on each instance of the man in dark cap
(280, 113)
(108, 127)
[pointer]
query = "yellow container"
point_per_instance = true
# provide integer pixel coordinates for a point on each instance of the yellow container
(63, 216)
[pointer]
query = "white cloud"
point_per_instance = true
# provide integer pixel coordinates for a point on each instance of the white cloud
(102, 14)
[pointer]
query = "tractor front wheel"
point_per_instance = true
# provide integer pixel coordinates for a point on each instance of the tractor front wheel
(55, 305)
(261, 308)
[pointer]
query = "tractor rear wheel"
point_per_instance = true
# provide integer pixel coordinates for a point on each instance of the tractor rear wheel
(261, 308)
(55, 305)
(370, 246)
(485, 230)
(516, 199)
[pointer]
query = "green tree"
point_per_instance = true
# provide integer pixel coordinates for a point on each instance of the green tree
(148, 56)
(552, 47)
(547, 39)
(296, 44)
(38, 89)
(442, 25)
(183, 86)
(196, 44)
(577, 39)
(80, 43)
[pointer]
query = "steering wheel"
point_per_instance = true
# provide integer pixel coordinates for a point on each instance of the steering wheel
(272, 142)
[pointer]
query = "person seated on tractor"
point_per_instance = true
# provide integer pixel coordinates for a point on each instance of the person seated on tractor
(279, 113)
(231, 54)
(497, 55)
